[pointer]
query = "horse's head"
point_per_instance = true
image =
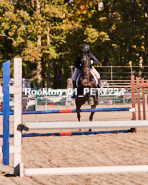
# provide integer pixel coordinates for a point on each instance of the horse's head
(85, 63)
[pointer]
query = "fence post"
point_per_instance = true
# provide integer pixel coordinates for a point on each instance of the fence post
(143, 100)
(133, 96)
(138, 99)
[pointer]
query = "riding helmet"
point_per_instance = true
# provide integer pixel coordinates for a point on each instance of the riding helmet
(85, 47)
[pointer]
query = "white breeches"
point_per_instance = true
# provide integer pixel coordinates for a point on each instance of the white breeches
(78, 71)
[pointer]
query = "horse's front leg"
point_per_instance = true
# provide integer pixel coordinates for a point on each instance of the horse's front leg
(78, 116)
(78, 106)
(91, 115)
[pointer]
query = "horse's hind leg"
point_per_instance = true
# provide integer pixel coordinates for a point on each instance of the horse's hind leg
(91, 115)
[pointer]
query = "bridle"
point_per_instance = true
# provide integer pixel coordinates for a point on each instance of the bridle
(85, 63)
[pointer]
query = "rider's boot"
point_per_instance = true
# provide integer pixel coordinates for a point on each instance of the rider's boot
(74, 86)
(99, 83)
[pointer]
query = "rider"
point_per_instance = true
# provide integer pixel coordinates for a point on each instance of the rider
(77, 71)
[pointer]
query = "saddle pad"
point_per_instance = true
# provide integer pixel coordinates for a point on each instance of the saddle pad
(94, 77)
(91, 73)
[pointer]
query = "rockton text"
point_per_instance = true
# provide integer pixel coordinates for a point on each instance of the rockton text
(69, 91)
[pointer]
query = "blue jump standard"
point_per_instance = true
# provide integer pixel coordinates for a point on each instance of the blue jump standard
(71, 133)
(73, 111)
(6, 112)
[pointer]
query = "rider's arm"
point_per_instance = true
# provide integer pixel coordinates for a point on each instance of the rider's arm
(77, 62)
(95, 60)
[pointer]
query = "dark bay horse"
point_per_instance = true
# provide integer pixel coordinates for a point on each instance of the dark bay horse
(85, 83)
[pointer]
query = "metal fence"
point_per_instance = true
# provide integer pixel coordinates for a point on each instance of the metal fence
(122, 72)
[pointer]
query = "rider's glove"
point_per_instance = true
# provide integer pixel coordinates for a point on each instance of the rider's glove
(92, 61)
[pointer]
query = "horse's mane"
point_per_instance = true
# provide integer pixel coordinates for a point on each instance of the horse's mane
(85, 55)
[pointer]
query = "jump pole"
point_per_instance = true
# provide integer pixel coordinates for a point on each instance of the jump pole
(71, 133)
(86, 170)
(76, 110)
(87, 124)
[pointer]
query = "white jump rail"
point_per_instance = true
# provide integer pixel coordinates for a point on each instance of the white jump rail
(86, 170)
(87, 125)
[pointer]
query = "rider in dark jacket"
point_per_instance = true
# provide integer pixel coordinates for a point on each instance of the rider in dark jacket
(91, 57)
(94, 60)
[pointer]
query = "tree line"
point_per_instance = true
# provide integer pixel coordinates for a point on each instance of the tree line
(48, 34)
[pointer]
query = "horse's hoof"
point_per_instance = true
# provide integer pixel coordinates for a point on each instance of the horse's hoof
(96, 102)
(90, 130)
(90, 118)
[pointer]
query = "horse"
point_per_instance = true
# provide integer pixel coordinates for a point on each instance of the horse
(85, 82)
